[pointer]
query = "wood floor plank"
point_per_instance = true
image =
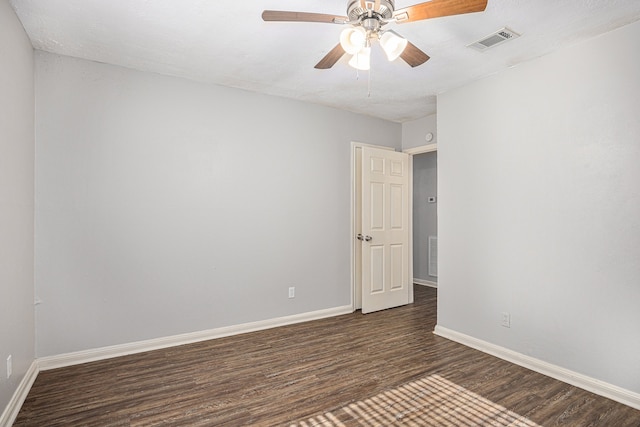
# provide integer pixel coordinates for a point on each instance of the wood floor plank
(282, 375)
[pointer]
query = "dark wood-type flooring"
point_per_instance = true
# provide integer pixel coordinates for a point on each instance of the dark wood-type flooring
(277, 376)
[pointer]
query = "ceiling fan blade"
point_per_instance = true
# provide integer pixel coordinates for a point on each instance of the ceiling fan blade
(413, 56)
(285, 16)
(438, 8)
(331, 58)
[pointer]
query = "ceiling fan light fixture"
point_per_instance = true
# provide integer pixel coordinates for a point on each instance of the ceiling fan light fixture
(393, 44)
(353, 39)
(361, 60)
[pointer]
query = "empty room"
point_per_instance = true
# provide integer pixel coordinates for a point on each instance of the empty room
(470, 254)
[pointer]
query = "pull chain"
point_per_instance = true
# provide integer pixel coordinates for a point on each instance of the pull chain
(368, 81)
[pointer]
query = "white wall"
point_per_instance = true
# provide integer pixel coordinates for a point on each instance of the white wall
(165, 206)
(16, 202)
(539, 184)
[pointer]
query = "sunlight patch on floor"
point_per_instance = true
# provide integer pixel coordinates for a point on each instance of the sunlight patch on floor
(430, 401)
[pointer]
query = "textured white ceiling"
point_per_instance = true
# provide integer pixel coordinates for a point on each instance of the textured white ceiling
(227, 43)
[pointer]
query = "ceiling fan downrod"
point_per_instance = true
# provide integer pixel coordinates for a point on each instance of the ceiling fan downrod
(358, 10)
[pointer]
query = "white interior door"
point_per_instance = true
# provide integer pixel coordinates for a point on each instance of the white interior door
(385, 229)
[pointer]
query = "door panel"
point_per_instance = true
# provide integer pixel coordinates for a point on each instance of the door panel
(385, 220)
(377, 206)
(377, 269)
(397, 267)
(397, 168)
(396, 208)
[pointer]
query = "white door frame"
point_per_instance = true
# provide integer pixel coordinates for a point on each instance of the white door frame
(354, 214)
(421, 149)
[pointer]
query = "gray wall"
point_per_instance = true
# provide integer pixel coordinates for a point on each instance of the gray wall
(165, 206)
(425, 220)
(17, 332)
(539, 211)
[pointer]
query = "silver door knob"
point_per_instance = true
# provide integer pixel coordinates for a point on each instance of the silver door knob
(368, 238)
(359, 237)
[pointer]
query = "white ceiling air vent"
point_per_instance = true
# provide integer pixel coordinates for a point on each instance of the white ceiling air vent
(494, 39)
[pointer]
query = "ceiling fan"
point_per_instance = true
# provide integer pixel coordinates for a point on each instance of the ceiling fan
(366, 19)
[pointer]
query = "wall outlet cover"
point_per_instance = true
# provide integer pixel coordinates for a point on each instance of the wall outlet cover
(506, 320)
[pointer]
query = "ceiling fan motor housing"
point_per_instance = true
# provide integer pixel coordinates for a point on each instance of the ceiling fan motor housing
(356, 12)
(371, 24)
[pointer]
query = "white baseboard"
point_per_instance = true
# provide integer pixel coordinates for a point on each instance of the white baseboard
(425, 283)
(59, 361)
(10, 413)
(593, 385)
(76, 358)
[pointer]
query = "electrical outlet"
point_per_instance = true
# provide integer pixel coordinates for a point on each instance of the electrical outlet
(506, 319)
(9, 367)
(292, 292)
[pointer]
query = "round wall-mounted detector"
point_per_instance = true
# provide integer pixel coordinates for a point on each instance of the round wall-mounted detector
(429, 137)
